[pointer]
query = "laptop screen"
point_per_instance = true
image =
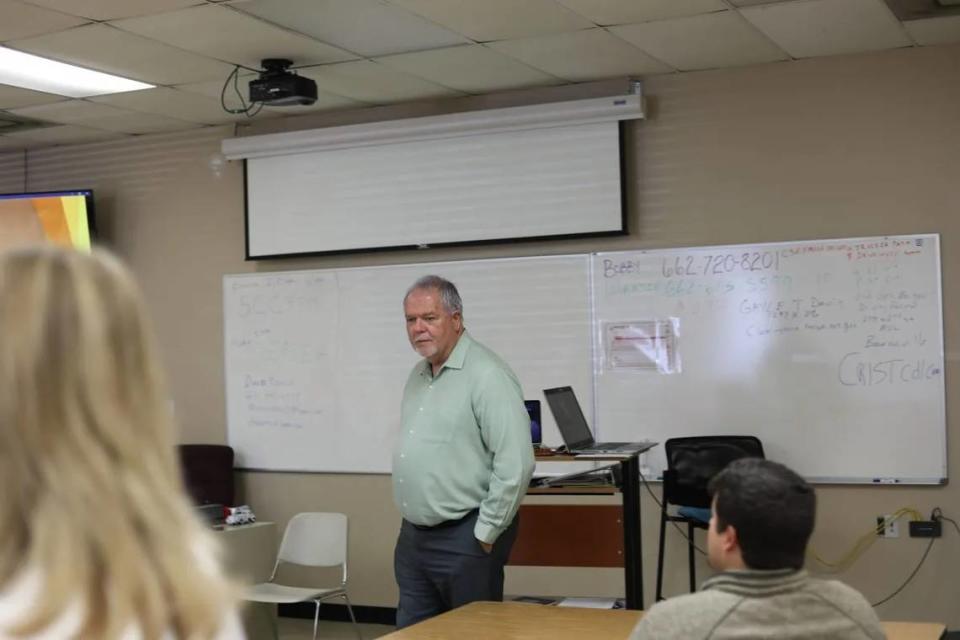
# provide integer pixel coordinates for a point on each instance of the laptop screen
(566, 411)
(533, 410)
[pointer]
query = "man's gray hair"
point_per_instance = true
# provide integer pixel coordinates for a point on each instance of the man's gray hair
(449, 295)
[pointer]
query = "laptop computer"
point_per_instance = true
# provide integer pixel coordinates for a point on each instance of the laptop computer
(574, 430)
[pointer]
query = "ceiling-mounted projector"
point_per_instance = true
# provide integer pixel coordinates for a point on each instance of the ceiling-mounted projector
(278, 87)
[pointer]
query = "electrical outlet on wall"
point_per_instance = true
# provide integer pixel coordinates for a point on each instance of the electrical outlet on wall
(887, 527)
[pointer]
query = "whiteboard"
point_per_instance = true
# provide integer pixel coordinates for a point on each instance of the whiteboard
(315, 361)
(831, 352)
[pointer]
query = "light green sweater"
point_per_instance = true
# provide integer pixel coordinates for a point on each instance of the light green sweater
(783, 604)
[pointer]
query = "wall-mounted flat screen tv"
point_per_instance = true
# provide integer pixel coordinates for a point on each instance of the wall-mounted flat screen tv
(61, 217)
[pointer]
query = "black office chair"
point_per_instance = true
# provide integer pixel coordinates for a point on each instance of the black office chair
(207, 473)
(691, 463)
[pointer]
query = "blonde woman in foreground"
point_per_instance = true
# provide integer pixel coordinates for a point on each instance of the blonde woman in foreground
(97, 540)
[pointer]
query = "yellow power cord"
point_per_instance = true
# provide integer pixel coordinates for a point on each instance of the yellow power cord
(863, 542)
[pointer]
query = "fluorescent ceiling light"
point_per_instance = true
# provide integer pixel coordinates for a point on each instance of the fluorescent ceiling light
(40, 74)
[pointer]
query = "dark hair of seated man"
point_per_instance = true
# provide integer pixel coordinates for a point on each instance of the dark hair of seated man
(772, 509)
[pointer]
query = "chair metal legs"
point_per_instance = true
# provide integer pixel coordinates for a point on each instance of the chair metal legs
(691, 559)
(353, 618)
(663, 527)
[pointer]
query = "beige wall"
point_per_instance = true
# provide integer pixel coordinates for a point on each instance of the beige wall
(849, 146)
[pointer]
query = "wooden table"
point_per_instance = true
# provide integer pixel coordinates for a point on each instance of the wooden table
(914, 630)
(520, 621)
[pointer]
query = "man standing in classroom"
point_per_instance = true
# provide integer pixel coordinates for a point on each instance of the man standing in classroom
(463, 462)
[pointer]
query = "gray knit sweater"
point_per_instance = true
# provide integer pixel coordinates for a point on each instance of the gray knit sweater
(783, 604)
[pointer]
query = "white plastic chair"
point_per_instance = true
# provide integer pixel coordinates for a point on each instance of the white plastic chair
(312, 540)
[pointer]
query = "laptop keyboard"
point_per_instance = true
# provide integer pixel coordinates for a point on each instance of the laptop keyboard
(609, 446)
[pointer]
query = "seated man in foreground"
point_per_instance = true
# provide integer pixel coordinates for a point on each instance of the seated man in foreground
(762, 518)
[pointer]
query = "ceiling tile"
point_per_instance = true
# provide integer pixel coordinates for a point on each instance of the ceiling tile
(104, 48)
(222, 33)
(608, 12)
(581, 55)
(828, 27)
(102, 116)
(13, 97)
(68, 111)
(934, 30)
(421, 48)
(24, 20)
(111, 9)
(702, 42)
(371, 82)
(471, 68)
(182, 105)
(66, 134)
(213, 88)
(138, 123)
(488, 20)
(365, 27)
(8, 143)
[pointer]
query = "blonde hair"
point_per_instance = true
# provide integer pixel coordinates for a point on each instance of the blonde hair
(90, 490)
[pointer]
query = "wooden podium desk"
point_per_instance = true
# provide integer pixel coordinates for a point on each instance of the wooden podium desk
(519, 621)
(628, 520)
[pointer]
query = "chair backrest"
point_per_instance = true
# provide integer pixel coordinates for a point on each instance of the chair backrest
(207, 472)
(315, 540)
(693, 461)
